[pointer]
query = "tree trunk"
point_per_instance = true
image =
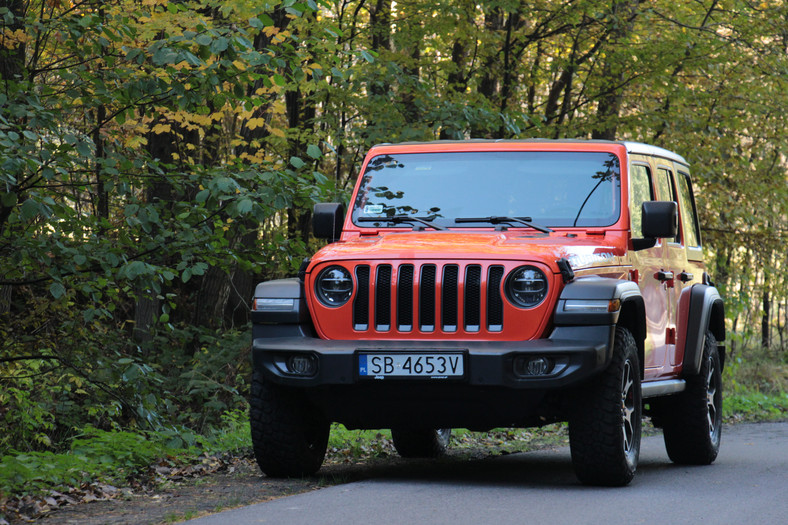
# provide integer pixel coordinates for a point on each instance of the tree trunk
(765, 320)
(212, 299)
(5, 298)
(380, 30)
(12, 69)
(489, 84)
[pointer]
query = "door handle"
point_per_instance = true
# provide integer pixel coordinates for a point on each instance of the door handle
(663, 276)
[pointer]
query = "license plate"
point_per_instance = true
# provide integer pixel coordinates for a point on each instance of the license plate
(428, 365)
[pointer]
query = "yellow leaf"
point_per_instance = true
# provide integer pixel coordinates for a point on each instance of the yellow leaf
(133, 142)
(254, 123)
(158, 129)
(277, 132)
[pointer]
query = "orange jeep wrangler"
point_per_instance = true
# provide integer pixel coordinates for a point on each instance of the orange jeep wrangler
(483, 284)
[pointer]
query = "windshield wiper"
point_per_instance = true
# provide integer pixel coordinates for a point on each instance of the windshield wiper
(399, 219)
(494, 219)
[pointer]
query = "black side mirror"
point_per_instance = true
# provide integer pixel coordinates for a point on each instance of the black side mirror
(327, 220)
(660, 219)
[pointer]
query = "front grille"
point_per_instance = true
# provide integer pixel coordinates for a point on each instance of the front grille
(429, 298)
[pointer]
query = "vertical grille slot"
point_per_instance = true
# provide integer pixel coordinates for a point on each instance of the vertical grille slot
(473, 298)
(427, 298)
(494, 299)
(361, 302)
(449, 298)
(383, 298)
(405, 298)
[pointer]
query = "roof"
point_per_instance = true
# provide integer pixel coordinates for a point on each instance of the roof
(631, 147)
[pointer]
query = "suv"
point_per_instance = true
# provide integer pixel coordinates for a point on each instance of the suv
(484, 284)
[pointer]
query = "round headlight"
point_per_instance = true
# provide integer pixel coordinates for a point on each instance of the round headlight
(334, 286)
(526, 286)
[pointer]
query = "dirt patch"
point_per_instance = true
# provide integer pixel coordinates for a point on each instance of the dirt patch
(241, 485)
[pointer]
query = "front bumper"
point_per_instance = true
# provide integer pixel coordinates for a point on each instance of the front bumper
(581, 351)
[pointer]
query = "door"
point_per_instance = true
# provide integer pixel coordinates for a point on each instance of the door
(647, 264)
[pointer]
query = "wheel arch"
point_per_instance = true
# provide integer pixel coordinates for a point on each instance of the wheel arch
(706, 312)
(632, 316)
(631, 313)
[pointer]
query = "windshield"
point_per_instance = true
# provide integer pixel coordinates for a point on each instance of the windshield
(555, 189)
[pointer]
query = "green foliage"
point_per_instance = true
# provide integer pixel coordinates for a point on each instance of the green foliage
(344, 444)
(755, 406)
(115, 457)
(94, 456)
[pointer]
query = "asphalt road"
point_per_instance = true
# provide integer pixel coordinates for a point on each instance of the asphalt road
(747, 485)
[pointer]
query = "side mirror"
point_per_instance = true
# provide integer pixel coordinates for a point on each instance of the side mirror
(660, 219)
(327, 220)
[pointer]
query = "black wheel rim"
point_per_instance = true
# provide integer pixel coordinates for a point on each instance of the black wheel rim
(628, 407)
(712, 398)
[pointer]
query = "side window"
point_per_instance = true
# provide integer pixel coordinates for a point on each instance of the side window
(640, 192)
(667, 191)
(689, 214)
(665, 185)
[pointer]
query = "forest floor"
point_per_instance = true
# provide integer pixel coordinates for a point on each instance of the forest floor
(171, 495)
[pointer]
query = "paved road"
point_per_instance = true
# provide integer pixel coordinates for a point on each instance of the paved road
(747, 485)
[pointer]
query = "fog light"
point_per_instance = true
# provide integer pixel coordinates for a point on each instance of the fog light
(532, 366)
(302, 365)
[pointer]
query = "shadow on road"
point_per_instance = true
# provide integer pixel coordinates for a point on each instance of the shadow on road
(545, 468)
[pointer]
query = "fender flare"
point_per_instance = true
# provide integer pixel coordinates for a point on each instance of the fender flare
(706, 311)
(631, 314)
(287, 316)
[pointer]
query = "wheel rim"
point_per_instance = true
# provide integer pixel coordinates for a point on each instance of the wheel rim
(628, 406)
(712, 387)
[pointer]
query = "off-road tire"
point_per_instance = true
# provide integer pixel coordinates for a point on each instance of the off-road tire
(421, 443)
(289, 436)
(692, 420)
(605, 424)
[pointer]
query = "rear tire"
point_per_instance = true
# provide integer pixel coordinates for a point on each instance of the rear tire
(289, 436)
(604, 429)
(421, 443)
(692, 420)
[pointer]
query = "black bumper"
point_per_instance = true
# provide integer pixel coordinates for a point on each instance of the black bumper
(578, 351)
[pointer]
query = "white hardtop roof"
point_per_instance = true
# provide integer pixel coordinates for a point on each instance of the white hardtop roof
(637, 148)
(656, 151)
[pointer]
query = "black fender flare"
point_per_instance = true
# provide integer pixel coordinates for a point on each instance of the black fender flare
(287, 313)
(706, 311)
(631, 313)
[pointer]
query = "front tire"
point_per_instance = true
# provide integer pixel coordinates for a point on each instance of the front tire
(289, 436)
(421, 443)
(604, 429)
(692, 420)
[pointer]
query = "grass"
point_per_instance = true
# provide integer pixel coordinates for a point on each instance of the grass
(755, 406)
